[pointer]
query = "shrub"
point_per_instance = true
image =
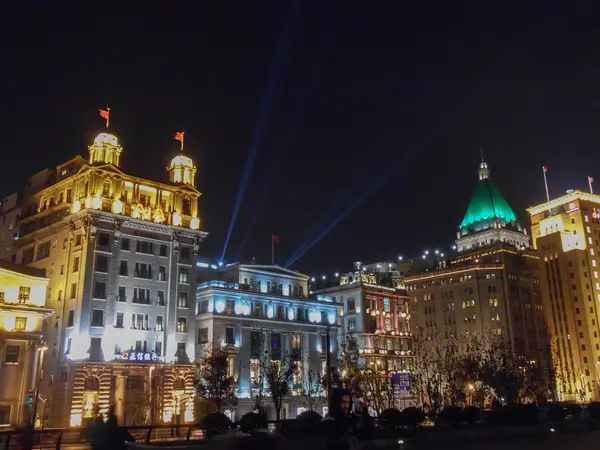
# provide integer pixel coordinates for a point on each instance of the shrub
(252, 421)
(557, 412)
(471, 414)
(392, 418)
(412, 416)
(309, 419)
(594, 410)
(216, 423)
(521, 414)
(451, 415)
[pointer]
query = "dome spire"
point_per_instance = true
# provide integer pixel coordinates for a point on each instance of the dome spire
(484, 172)
(182, 168)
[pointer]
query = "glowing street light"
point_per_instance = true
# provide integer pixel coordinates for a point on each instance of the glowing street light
(400, 258)
(312, 279)
(323, 277)
(427, 252)
(454, 247)
(424, 256)
(337, 274)
(437, 252)
(442, 255)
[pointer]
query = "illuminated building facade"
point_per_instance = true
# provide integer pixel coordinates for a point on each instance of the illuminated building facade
(253, 305)
(119, 252)
(491, 286)
(566, 234)
(22, 313)
(375, 312)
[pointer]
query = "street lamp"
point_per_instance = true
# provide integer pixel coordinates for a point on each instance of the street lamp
(38, 380)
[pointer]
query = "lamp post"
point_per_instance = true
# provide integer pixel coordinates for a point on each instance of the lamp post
(38, 380)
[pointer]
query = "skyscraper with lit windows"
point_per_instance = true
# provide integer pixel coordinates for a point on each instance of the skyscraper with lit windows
(566, 234)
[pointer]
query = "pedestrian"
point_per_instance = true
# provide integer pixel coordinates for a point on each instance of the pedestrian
(338, 425)
(116, 436)
(98, 433)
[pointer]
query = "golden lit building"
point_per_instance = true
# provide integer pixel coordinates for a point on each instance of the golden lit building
(490, 286)
(120, 254)
(566, 233)
(22, 313)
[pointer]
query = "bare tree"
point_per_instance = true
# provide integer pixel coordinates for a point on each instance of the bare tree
(215, 382)
(312, 389)
(278, 375)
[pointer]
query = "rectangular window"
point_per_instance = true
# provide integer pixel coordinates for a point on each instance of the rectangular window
(20, 323)
(100, 290)
(229, 336)
(141, 296)
(12, 354)
(182, 300)
(163, 250)
(77, 239)
(160, 299)
(351, 305)
(254, 371)
(181, 325)
(73, 290)
(97, 318)
(123, 271)
(59, 297)
(159, 323)
(119, 322)
(5, 415)
(24, 294)
(43, 251)
(162, 273)
(351, 324)
(255, 344)
(62, 269)
(143, 270)
(122, 297)
(183, 275)
(202, 336)
(68, 346)
(202, 306)
(144, 247)
(158, 348)
(76, 264)
(229, 307)
(102, 263)
(125, 244)
(71, 318)
(276, 346)
(185, 253)
(104, 240)
(27, 256)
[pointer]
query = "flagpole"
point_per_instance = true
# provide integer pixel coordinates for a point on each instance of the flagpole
(546, 184)
(272, 249)
(590, 179)
(182, 136)
(107, 116)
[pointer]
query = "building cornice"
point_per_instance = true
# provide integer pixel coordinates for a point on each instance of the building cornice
(453, 271)
(577, 195)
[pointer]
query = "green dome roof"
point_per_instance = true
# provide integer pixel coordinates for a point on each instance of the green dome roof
(487, 204)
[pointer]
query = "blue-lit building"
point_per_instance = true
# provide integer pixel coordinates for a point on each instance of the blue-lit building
(250, 301)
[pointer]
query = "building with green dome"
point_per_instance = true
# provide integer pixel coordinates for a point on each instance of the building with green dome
(489, 218)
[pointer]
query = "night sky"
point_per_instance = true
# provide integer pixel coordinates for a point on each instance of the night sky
(361, 118)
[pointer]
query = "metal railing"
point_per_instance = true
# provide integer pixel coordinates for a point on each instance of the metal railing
(80, 437)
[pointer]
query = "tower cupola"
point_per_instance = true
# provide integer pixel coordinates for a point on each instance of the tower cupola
(105, 150)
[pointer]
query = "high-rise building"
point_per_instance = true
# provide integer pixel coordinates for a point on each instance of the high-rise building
(566, 234)
(490, 286)
(375, 312)
(22, 313)
(256, 310)
(119, 252)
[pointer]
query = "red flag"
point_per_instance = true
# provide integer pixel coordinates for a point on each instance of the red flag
(591, 179)
(545, 169)
(104, 114)
(179, 136)
(276, 239)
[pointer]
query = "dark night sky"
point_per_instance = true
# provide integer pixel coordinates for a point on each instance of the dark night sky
(371, 108)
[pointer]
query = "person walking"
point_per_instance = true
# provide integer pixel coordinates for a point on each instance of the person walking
(338, 425)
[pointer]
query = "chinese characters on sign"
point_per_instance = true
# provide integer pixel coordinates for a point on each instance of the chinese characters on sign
(141, 356)
(401, 382)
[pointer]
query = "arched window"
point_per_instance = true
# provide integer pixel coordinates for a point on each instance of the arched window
(91, 384)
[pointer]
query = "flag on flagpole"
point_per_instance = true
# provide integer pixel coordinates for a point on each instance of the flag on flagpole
(545, 169)
(179, 137)
(274, 240)
(590, 181)
(105, 114)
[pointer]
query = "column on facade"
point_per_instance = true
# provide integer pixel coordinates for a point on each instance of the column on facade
(27, 382)
(381, 317)
(120, 392)
(396, 313)
(244, 361)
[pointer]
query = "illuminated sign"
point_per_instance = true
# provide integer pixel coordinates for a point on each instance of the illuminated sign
(141, 356)
(401, 382)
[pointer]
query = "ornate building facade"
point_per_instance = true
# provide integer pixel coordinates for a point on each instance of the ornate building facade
(566, 234)
(22, 315)
(119, 252)
(375, 312)
(253, 309)
(491, 286)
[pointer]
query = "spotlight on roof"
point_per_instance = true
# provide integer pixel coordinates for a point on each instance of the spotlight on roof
(427, 252)
(437, 252)
(337, 274)
(454, 247)
(220, 263)
(323, 277)
(312, 279)
(400, 258)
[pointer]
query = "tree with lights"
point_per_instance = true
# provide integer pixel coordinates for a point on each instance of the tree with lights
(215, 382)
